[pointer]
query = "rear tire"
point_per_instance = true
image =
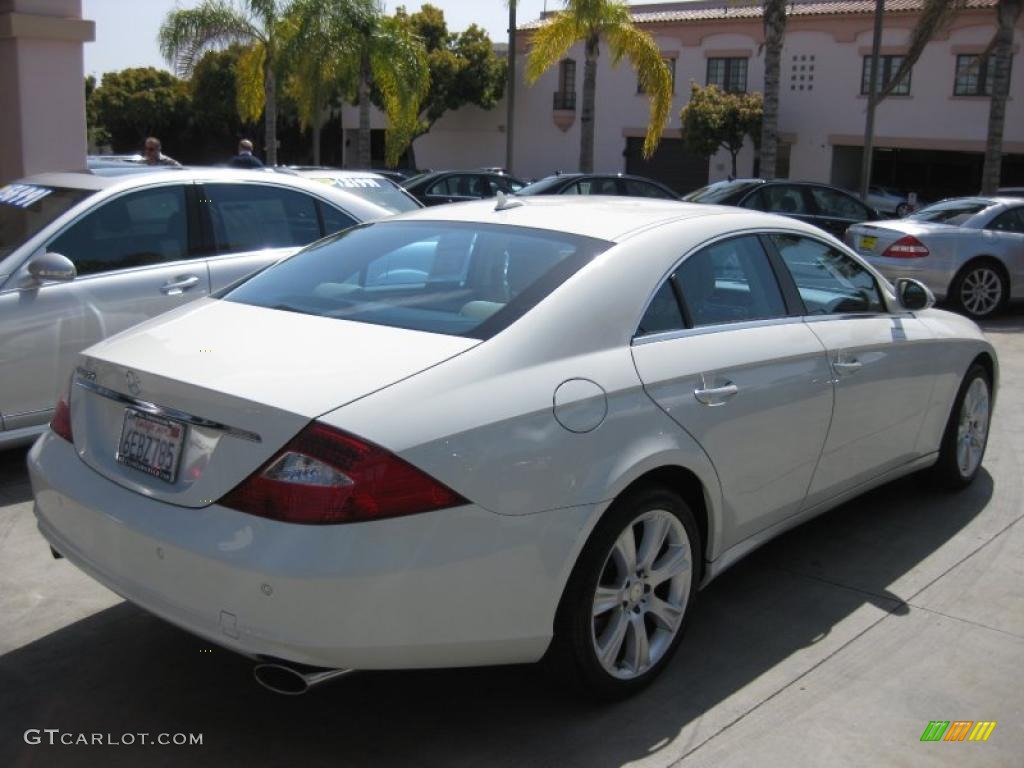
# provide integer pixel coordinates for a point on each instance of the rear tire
(624, 609)
(966, 436)
(980, 289)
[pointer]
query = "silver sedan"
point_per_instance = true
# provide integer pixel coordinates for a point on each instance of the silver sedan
(969, 249)
(83, 257)
(482, 434)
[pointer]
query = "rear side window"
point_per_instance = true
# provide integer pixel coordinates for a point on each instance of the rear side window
(1011, 221)
(829, 281)
(26, 208)
(730, 281)
(250, 217)
(837, 205)
(663, 314)
(133, 230)
(643, 189)
(335, 220)
(454, 278)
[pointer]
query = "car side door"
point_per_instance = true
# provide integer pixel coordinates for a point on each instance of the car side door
(880, 363)
(136, 255)
(1004, 238)
(724, 352)
(835, 211)
(251, 225)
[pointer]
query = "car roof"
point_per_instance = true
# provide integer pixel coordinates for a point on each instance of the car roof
(603, 217)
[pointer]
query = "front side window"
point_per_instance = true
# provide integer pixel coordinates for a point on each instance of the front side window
(729, 74)
(828, 280)
(26, 208)
(133, 230)
(442, 277)
(888, 66)
(728, 282)
(974, 75)
(250, 217)
(835, 204)
(778, 198)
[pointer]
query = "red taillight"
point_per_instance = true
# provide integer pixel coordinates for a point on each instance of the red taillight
(326, 476)
(61, 421)
(908, 247)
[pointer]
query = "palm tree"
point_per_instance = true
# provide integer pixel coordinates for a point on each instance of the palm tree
(589, 21)
(935, 16)
(774, 35)
(308, 50)
(187, 33)
(383, 53)
(510, 85)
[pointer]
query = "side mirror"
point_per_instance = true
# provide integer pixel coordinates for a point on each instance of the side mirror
(913, 294)
(51, 266)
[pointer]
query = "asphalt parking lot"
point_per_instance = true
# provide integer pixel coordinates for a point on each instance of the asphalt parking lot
(834, 645)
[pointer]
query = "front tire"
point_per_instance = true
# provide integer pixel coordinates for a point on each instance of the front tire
(625, 607)
(966, 436)
(980, 289)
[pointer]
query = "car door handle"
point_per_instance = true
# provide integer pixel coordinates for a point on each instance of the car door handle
(716, 395)
(179, 285)
(846, 367)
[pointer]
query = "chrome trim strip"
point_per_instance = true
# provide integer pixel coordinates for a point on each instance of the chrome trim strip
(700, 330)
(159, 410)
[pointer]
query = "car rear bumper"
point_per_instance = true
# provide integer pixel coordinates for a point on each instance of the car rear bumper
(455, 587)
(937, 279)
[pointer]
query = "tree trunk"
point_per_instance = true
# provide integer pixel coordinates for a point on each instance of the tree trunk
(316, 140)
(1008, 12)
(510, 86)
(363, 150)
(733, 153)
(869, 125)
(587, 112)
(270, 112)
(774, 35)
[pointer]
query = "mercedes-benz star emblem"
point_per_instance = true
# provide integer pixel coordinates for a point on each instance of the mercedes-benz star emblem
(134, 385)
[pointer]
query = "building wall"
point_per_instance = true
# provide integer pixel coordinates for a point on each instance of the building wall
(42, 97)
(831, 113)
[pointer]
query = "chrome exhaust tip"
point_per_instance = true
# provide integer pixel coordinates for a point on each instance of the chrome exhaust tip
(293, 680)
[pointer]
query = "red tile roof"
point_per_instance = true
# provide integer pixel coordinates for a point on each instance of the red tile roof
(708, 10)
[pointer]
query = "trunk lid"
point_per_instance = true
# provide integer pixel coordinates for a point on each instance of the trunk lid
(872, 238)
(240, 380)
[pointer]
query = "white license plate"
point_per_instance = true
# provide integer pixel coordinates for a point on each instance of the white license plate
(868, 243)
(150, 444)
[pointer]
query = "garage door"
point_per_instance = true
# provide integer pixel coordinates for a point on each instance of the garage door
(670, 164)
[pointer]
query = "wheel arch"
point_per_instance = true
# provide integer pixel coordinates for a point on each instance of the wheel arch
(981, 258)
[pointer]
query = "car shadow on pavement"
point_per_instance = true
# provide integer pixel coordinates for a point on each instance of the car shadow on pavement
(14, 485)
(753, 631)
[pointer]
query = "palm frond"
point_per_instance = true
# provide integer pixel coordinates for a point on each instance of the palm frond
(401, 73)
(625, 40)
(550, 44)
(935, 16)
(249, 96)
(188, 33)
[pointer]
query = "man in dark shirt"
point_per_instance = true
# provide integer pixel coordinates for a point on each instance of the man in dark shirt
(245, 158)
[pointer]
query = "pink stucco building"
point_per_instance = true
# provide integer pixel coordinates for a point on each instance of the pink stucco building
(929, 137)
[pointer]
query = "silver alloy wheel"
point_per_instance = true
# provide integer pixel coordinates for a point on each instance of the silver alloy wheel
(641, 594)
(972, 429)
(981, 291)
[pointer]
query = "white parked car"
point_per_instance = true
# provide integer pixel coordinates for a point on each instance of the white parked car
(967, 249)
(479, 434)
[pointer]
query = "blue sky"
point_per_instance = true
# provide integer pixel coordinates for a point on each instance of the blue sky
(126, 29)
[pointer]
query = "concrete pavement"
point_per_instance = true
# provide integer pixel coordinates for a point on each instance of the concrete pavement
(835, 645)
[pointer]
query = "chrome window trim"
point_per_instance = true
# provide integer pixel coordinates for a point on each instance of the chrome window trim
(701, 330)
(159, 410)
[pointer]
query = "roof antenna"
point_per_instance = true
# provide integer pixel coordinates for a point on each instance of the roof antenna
(505, 202)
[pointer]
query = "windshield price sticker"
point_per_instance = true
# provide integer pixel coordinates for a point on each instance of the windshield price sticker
(23, 195)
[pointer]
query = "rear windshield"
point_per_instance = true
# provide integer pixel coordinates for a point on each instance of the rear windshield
(719, 191)
(461, 279)
(27, 208)
(953, 212)
(382, 192)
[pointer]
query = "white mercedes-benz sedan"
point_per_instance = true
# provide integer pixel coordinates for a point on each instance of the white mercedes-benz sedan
(498, 431)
